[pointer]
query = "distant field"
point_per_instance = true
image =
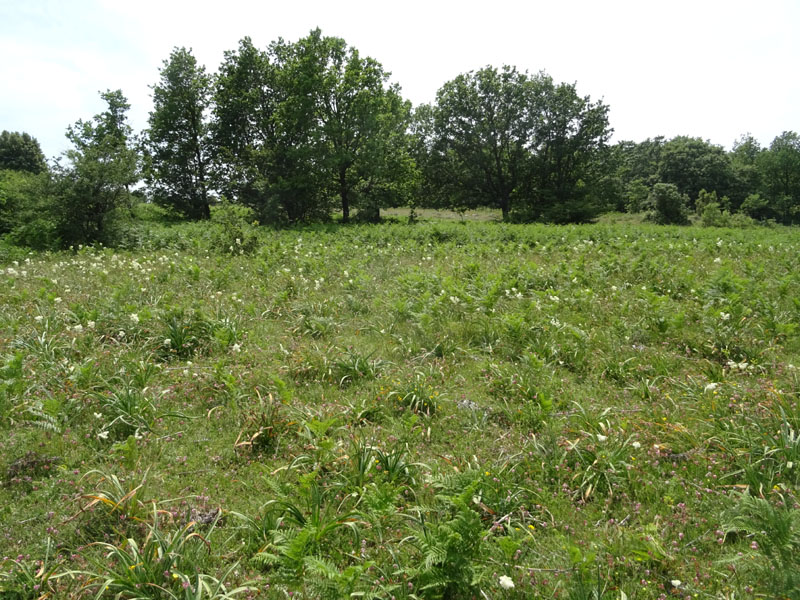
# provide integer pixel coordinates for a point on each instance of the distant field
(432, 214)
(438, 410)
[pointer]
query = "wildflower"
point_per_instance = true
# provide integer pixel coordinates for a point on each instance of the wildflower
(91, 324)
(98, 415)
(103, 435)
(601, 438)
(636, 445)
(506, 583)
(711, 387)
(724, 316)
(134, 318)
(57, 300)
(718, 260)
(236, 348)
(167, 341)
(676, 583)
(78, 328)
(38, 318)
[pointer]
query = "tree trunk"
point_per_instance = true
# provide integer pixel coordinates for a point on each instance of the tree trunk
(343, 194)
(504, 206)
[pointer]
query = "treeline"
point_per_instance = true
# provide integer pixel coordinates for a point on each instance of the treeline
(302, 131)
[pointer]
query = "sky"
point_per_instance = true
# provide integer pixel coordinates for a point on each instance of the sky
(704, 68)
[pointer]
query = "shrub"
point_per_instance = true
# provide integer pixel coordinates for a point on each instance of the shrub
(667, 205)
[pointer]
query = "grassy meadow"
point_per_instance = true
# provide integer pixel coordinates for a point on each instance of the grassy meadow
(439, 410)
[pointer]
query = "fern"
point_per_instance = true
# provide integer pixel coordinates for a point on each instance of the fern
(36, 416)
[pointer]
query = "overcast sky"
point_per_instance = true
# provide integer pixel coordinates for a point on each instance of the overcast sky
(704, 68)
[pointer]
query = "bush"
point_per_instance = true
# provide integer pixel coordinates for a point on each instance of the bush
(26, 209)
(667, 205)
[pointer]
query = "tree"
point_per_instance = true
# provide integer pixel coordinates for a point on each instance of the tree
(483, 127)
(363, 124)
(668, 205)
(242, 128)
(177, 140)
(101, 168)
(780, 167)
(569, 153)
(21, 152)
(746, 178)
(522, 144)
(303, 124)
(693, 164)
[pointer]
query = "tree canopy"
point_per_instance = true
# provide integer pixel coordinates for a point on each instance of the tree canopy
(177, 139)
(21, 152)
(313, 130)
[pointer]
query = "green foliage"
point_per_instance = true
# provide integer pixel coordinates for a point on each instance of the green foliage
(780, 166)
(417, 394)
(449, 540)
(517, 142)
(26, 209)
(94, 186)
(184, 334)
(29, 580)
(601, 396)
(21, 152)
(164, 565)
(692, 165)
(178, 145)
(775, 531)
(668, 205)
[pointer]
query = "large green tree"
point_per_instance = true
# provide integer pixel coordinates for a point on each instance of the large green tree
(780, 168)
(746, 178)
(21, 152)
(362, 126)
(693, 164)
(483, 129)
(301, 125)
(242, 128)
(177, 138)
(101, 167)
(568, 146)
(520, 143)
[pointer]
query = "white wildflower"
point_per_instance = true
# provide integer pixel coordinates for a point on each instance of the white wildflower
(724, 316)
(38, 318)
(676, 583)
(57, 300)
(236, 348)
(134, 318)
(98, 415)
(103, 435)
(78, 328)
(167, 341)
(711, 387)
(636, 445)
(718, 260)
(601, 438)
(91, 324)
(506, 583)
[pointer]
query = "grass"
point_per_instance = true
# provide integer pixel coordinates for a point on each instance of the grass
(437, 410)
